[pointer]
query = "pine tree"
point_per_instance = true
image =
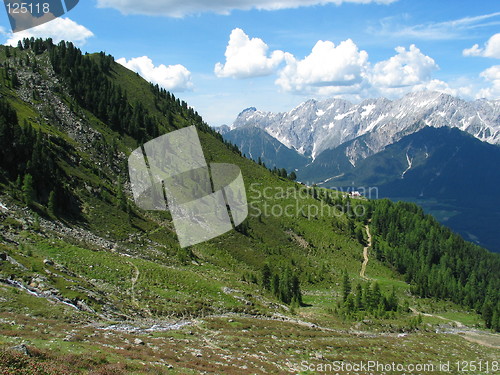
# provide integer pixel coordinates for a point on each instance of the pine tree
(376, 296)
(487, 313)
(266, 277)
(275, 285)
(392, 301)
(296, 292)
(367, 297)
(28, 189)
(36, 223)
(495, 321)
(52, 205)
(19, 186)
(346, 286)
(350, 305)
(358, 302)
(285, 293)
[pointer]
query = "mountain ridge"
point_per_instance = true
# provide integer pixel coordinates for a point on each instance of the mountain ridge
(315, 126)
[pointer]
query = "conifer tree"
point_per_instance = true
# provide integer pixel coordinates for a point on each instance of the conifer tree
(275, 285)
(346, 286)
(52, 205)
(266, 277)
(28, 189)
(358, 301)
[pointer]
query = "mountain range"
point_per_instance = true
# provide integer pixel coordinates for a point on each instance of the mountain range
(427, 147)
(316, 126)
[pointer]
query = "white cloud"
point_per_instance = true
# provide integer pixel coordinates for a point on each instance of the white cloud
(181, 8)
(171, 77)
(342, 70)
(491, 48)
(473, 51)
(247, 57)
(407, 68)
(328, 69)
(57, 29)
(492, 76)
(345, 70)
(492, 73)
(438, 85)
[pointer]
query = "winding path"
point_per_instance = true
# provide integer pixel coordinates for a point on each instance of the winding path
(456, 322)
(476, 336)
(365, 253)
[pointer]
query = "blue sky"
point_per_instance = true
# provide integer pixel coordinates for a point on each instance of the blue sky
(222, 56)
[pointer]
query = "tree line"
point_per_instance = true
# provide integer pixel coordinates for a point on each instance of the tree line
(435, 261)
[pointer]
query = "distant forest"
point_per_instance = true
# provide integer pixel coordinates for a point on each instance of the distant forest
(435, 261)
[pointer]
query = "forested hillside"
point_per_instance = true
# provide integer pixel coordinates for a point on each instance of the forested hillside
(435, 261)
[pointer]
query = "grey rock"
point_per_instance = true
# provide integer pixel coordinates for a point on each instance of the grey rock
(23, 349)
(48, 262)
(138, 341)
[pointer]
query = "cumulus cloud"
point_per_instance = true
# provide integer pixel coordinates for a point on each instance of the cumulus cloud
(181, 8)
(473, 51)
(438, 85)
(407, 68)
(58, 29)
(342, 70)
(490, 49)
(492, 76)
(247, 57)
(171, 77)
(328, 69)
